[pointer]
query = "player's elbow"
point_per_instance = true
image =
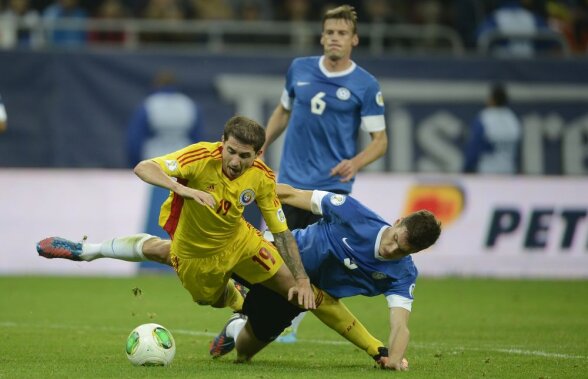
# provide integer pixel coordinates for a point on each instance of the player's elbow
(141, 168)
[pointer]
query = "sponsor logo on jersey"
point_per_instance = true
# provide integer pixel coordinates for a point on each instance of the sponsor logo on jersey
(337, 199)
(378, 275)
(343, 94)
(411, 290)
(300, 84)
(380, 99)
(281, 215)
(171, 165)
(210, 188)
(247, 197)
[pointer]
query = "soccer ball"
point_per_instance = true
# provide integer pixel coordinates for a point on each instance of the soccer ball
(150, 345)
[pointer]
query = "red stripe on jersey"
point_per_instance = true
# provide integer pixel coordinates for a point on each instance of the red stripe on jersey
(182, 164)
(191, 152)
(174, 215)
(266, 170)
(217, 152)
(182, 160)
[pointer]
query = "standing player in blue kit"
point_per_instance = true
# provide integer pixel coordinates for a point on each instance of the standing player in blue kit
(326, 101)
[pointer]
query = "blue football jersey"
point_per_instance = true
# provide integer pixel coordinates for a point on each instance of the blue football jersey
(340, 252)
(327, 111)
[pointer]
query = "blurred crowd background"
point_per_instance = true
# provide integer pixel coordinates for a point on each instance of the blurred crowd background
(561, 22)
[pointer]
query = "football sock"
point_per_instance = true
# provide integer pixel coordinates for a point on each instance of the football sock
(234, 328)
(128, 248)
(338, 317)
(234, 299)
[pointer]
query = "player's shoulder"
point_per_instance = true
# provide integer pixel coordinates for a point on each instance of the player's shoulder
(364, 75)
(306, 61)
(200, 152)
(260, 168)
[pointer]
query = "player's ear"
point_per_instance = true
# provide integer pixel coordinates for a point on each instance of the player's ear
(355, 40)
(259, 153)
(322, 39)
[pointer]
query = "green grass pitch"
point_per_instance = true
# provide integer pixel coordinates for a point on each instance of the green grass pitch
(55, 327)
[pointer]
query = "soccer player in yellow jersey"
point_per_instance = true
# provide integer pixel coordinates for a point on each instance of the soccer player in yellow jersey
(210, 184)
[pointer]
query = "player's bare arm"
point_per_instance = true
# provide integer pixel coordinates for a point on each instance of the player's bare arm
(294, 197)
(276, 125)
(398, 340)
(286, 245)
(348, 168)
(151, 173)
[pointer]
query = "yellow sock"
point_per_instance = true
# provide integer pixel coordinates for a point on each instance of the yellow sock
(338, 317)
(234, 299)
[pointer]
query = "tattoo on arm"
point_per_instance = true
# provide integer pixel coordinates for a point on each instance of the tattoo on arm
(288, 249)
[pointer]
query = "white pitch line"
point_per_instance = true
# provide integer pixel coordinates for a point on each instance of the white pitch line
(10, 324)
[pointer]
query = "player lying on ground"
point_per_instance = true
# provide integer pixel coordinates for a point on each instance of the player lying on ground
(370, 257)
(350, 251)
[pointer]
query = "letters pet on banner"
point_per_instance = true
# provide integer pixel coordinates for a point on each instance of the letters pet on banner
(492, 226)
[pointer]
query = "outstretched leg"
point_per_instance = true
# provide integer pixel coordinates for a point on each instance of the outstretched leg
(133, 248)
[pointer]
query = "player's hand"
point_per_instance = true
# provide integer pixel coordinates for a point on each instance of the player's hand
(201, 197)
(346, 169)
(396, 366)
(304, 291)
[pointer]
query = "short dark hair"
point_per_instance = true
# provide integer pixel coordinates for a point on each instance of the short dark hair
(344, 12)
(423, 229)
(246, 131)
(498, 95)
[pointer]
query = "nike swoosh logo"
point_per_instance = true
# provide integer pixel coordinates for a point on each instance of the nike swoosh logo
(344, 239)
(299, 84)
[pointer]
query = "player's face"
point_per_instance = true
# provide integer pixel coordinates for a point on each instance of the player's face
(237, 157)
(338, 38)
(394, 243)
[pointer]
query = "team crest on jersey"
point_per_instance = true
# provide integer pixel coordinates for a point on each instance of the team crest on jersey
(380, 99)
(411, 290)
(337, 199)
(281, 215)
(247, 197)
(343, 94)
(378, 275)
(172, 165)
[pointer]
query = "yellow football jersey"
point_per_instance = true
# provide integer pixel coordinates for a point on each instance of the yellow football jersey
(199, 230)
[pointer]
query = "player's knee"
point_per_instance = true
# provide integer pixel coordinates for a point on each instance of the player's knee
(157, 250)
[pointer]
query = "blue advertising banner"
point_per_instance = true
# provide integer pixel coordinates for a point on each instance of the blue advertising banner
(72, 109)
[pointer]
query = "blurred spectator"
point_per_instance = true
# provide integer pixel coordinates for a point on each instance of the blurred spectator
(513, 22)
(66, 10)
(163, 10)
(213, 9)
(570, 18)
(296, 10)
(254, 10)
(3, 116)
(379, 11)
(468, 16)
(167, 120)
(20, 11)
(495, 135)
(110, 10)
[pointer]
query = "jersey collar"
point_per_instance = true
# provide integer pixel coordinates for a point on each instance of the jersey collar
(377, 245)
(337, 74)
